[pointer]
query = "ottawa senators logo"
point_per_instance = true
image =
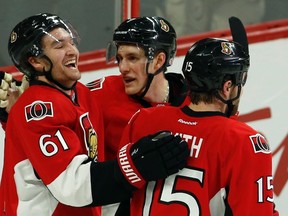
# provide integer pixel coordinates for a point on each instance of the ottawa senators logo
(260, 144)
(13, 37)
(226, 48)
(90, 136)
(164, 26)
(38, 110)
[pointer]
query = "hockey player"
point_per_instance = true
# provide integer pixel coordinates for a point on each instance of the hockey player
(229, 171)
(50, 164)
(143, 48)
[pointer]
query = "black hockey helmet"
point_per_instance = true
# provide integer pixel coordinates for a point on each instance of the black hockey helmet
(210, 60)
(150, 33)
(25, 38)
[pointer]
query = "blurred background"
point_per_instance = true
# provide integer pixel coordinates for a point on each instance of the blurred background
(96, 20)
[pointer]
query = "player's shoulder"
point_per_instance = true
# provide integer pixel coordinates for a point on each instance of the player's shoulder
(107, 82)
(39, 96)
(240, 126)
(81, 86)
(246, 134)
(113, 78)
(158, 111)
(160, 108)
(39, 92)
(235, 128)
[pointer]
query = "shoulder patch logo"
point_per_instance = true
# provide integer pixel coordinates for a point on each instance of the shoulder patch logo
(38, 110)
(96, 84)
(260, 144)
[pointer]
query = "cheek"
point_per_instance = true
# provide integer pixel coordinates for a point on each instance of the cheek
(235, 91)
(138, 69)
(142, 75)
(58, 56)
(54, 57)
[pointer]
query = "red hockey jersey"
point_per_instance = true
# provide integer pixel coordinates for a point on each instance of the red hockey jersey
(117, 107)
(50, 139)
(229, 171)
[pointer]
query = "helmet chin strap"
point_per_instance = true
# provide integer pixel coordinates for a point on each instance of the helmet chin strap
(149, 80)
(48, 75)
(230, 108)
(229, 102)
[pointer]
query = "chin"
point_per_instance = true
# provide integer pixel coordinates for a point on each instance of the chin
(129, 91)
(77, 76)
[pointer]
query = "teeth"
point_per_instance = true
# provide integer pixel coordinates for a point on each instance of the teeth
(70, 62)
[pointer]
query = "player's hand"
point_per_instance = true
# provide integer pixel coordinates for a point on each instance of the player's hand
(153, 157)
(14, 92)
(5, 81)
(10, 91)
(20, 86)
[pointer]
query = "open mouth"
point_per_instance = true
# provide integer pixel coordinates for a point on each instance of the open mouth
(71, 64)
(128, 80)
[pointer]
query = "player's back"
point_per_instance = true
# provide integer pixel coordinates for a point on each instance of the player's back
(216, 170)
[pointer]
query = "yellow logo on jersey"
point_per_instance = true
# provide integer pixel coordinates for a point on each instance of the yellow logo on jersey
(90, 136)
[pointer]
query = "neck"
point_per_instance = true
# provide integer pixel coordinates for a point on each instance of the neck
(204, 107)
(158, 91)
(44, 79)
(166, 99)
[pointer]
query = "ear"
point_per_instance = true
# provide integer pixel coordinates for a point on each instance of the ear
(36, 63)
(227, 89)
(160, 60)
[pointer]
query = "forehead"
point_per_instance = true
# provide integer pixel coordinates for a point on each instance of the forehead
(130, 49)
(57, 33)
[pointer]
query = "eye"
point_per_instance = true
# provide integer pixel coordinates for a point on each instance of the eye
(59, 45)
(118, 59)
(74, 41)
(132, 58)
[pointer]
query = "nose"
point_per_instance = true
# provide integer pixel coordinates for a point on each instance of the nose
(72, 49)
(123, 66)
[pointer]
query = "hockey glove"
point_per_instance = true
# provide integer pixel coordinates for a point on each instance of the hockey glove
(152, 158)
(10, 90)
(5, 81)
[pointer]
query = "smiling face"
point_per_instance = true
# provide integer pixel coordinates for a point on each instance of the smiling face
(60, 48)
(132, 65)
